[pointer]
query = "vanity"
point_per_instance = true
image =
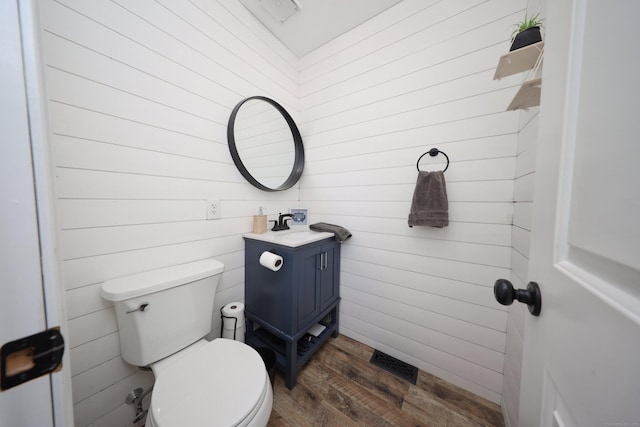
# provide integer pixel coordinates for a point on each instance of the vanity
(284, 308)
(293, 310)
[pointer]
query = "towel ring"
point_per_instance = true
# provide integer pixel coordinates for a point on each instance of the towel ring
(433, 152)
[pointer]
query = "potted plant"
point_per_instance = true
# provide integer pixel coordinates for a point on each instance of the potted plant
(526, 32)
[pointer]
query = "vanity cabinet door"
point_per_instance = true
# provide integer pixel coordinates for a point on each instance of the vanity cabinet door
(329, 274)
(319, 281)
(309, 281)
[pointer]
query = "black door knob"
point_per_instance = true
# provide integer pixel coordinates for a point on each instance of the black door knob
(505, 294)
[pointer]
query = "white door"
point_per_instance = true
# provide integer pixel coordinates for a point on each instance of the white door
(581, 356)
(22, 295)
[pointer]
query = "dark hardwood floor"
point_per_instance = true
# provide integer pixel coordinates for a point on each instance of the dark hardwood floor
(339, 387)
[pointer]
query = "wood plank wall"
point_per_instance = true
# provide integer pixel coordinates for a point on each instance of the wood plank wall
(372, 101)
(139, 98)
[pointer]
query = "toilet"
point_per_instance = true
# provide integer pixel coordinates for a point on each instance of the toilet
(163, 316)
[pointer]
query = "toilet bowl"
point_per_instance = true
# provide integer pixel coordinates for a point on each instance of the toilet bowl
(217, 383)
(163, 316)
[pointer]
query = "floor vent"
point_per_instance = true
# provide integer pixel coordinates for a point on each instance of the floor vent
(395, 366)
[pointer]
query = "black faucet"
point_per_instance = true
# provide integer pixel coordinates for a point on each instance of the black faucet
(281, 223)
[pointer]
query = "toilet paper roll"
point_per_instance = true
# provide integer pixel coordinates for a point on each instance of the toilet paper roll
(271, 261)
(234, 310)
(233, 321)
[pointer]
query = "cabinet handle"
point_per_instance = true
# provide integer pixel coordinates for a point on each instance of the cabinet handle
(326, 260)
(323, 260)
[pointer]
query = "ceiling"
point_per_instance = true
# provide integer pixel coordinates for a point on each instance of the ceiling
(318, 21)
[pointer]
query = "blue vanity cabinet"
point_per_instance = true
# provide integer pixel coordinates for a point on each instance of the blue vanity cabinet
(281, 306)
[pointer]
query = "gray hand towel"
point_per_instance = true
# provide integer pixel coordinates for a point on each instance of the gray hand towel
(341, 233)
(430, 205)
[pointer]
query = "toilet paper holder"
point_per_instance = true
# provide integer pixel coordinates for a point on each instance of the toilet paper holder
(235, 323)
(271, 260)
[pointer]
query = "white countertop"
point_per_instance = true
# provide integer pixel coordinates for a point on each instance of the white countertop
(293, 237)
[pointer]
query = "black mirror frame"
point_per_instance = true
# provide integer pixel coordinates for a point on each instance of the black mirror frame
(298, 163)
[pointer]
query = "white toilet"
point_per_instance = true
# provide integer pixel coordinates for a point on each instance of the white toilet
(163, 316)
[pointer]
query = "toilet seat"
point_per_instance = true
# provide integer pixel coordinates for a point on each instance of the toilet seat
(217, 383)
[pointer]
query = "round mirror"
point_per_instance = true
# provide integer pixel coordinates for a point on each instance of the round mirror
(265, 144)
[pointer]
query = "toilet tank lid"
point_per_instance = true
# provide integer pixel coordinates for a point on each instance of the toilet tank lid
(136, 285)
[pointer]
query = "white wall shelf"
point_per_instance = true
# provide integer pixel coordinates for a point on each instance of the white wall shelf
(518, 61)
(527, 96)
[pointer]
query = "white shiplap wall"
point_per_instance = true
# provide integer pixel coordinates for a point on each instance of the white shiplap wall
(139, 94)
(520, 240)
(521, 234)
(372, 101)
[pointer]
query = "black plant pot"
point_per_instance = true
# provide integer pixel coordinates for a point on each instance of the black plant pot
(525, 38)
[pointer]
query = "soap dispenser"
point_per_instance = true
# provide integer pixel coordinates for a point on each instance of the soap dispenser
(260, 222)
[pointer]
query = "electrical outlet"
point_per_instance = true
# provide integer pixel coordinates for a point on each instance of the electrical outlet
(214, 210)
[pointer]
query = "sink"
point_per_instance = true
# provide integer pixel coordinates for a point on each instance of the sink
(295, 236)
(291, 238)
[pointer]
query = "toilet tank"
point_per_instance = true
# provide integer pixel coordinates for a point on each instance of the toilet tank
(160, 312)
